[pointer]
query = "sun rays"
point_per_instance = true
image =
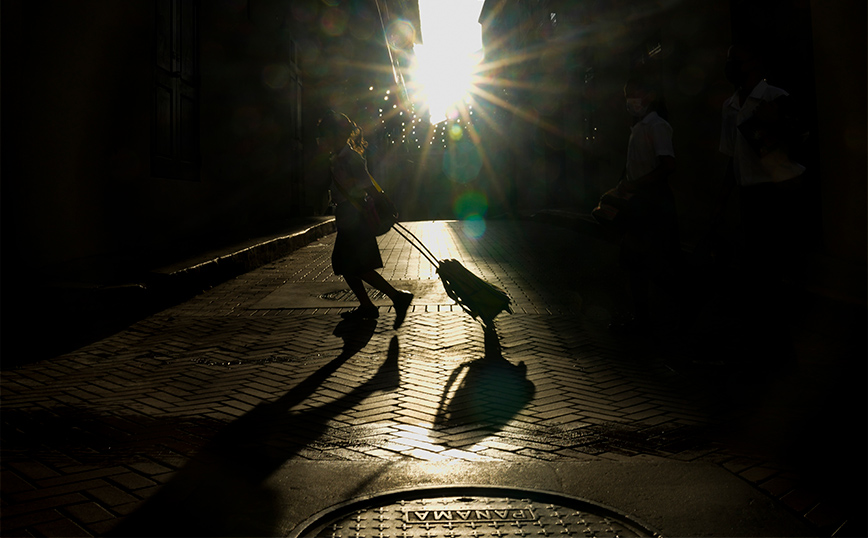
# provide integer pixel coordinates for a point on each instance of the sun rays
(456, 122)
(446, 63)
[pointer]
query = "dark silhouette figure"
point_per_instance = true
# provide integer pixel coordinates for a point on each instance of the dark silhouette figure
(222, 490)
(650, 245)
(760, 132)
(491, 391)
(356, 255)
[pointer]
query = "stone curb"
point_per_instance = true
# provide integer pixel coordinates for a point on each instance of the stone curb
(200, 273)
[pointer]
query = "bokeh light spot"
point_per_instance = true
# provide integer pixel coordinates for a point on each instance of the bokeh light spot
(334, 21)
(401, 34)
(462, 161)
(275, 76)
(470, 204)
(473, 226)
(246, 120)
(302, 12)
(363, 26)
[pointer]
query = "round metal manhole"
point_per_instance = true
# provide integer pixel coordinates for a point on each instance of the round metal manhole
(470, 513)
(349, 296)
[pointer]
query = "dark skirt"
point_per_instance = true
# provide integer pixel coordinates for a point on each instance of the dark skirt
(356, 250)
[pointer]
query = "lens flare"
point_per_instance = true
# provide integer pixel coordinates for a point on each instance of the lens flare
(462, 162)
(402, 34)
(470, 204)
(474, 227)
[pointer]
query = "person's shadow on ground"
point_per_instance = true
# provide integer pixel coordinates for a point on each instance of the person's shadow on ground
(490, 392)
(222, 491)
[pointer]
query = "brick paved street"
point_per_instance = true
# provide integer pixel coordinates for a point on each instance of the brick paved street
(248, 372)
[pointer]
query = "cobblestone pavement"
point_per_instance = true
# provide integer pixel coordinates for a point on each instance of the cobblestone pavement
(90, 435)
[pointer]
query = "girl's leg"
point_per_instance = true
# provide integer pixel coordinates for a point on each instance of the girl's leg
(357, 285)
(376, 280)
(401, 299)
(367, 308)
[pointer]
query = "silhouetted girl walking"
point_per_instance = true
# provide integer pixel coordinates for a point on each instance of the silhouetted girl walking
(356, 255)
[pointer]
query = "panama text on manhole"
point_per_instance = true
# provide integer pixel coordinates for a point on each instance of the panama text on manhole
(478, 515)
(471, 513)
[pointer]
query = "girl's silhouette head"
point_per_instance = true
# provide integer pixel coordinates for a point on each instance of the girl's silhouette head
(334, 130)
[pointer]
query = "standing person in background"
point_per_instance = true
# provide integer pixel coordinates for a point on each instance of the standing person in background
(356, 255)
(650, 245)
(759, 131)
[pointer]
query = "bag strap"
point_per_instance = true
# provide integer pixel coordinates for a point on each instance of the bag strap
(375, 184)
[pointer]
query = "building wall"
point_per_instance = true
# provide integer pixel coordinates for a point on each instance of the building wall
(815, 50)
(693, 38)
(80, 74)
(77, 88)
(840, 66)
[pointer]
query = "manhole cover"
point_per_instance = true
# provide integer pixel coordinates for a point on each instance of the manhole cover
(348, 295)
(471, 513)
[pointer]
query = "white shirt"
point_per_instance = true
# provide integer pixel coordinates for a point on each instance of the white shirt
(650, 138)
(748, 167)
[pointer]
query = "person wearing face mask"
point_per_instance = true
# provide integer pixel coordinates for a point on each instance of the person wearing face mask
(650, 244)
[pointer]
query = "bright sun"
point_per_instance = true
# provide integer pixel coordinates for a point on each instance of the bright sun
(446, 63)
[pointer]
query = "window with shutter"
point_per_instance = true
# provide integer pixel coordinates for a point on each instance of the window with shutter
(175, 116)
